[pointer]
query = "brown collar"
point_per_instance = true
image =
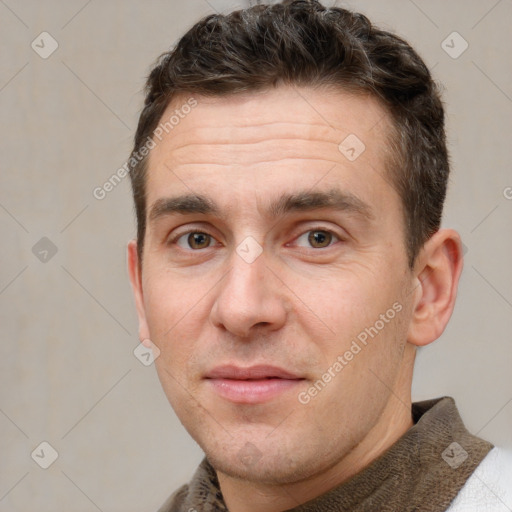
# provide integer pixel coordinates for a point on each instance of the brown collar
(423, 470)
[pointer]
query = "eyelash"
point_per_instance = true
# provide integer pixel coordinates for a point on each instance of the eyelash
(336, 237)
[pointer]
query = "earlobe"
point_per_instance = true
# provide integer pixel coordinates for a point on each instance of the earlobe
(136, 282)
(437, 276)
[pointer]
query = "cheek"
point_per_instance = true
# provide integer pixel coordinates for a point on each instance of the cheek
(168, 298)
(173, 315)
(354, 315)
(174, 326)
(340, 303)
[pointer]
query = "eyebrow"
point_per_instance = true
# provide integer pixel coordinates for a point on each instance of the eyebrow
(185, 204)
(306, 200)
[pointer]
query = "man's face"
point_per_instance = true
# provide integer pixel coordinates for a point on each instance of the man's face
(271, 255)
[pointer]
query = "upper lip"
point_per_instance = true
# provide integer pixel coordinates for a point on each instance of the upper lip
(250, 373)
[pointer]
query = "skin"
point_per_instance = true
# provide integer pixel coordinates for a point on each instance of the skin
(298, 305)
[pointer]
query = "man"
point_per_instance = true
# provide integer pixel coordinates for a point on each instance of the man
(289, 174)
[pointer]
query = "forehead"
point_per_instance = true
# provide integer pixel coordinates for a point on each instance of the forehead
(321, 111)
(283, 138)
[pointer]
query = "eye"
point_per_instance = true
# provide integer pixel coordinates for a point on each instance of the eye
(317, 238)
(195, 240)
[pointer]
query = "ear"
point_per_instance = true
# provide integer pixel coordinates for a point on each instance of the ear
(135, 273)
(437, 270)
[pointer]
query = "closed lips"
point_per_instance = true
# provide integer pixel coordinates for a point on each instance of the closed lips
(259, 372)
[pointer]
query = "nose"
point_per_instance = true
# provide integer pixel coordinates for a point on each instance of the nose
(250, 298)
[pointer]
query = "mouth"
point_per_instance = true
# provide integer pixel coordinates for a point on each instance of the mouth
(252, 385)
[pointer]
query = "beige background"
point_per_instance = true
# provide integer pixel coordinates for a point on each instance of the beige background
(68, 374)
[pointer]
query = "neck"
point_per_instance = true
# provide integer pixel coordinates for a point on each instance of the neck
(396, 419)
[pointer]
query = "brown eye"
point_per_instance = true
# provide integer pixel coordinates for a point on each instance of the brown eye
(319, 239)
(195, 240)
(198, 240)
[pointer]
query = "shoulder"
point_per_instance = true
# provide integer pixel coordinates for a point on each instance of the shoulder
(201, 493)
(176, 501)
(489, 488)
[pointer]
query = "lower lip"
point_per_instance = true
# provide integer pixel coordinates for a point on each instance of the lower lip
(252, 391)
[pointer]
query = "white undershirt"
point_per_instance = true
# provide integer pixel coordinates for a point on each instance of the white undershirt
(489, 488)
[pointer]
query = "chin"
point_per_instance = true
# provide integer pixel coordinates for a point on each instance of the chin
(275, 463)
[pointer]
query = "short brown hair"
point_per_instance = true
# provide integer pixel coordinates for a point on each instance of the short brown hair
(303, 43)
